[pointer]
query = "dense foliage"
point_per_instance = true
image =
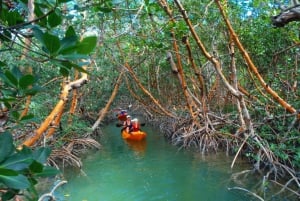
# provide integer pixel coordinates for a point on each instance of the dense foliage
(40, 55)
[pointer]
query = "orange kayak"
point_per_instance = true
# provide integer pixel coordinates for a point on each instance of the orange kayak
(134, 135)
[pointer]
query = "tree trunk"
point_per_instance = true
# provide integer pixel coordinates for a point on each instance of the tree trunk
(253, 68)
(57, 109)
(103, 111)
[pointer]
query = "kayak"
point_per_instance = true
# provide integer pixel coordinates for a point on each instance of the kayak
(134, 135)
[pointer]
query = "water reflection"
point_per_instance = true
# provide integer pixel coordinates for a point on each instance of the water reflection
(139, 147)
(152, 170)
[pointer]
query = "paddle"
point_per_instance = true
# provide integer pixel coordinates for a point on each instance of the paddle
(119, 124)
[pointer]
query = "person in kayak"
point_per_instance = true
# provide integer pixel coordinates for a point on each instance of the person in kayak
(128, 124)
(135, 125)
(122, 114)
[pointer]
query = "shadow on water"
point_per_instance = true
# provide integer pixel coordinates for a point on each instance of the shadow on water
(151, 170)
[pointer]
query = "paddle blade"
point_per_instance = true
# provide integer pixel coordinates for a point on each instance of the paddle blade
(119, 124)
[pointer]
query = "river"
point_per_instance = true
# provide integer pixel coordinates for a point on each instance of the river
(153, 170)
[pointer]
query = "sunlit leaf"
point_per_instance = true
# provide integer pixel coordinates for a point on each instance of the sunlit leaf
(87, 45)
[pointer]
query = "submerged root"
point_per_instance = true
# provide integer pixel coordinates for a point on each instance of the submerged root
(64, 158)
(81, 145)
(249, 192)
(204, 138)
(70, 154)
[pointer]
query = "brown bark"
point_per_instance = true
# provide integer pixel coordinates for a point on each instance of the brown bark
(57, 109)
(252, 67)
(74, 101)
(195, 68)
(189, 100)
(210, 57)
(147, 92)
(55, 124)
(235, 83)
(103, 112)
(28, 41)
(217, 65)
(143, 102)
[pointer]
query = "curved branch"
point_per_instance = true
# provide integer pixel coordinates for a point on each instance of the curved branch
(57, 109)
(286, 16)
(252, 66)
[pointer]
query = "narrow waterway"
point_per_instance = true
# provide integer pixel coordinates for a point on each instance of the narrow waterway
(152, 170)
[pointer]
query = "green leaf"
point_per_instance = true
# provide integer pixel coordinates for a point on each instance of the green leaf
(68, 45)
(68, 65)
(54, 19)
(64, 71)
(32, 91)
(39, 13)
(15, 115)
(16, 72)
(6, 145)
(19, 161)
(38, 34)
(41, 155)
(26, 81)
(47, 172)
(8, 172)
(9, 195)
(51, 43)
(87, 45)
(70, 32)
(73, 56)
(27, 117)
(2, 63)
(63, 1)
(13, 18)
(5, 36)
(12, 80)
(36, 167)
(15, 182)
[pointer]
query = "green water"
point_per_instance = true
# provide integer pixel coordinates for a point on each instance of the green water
(154, 171)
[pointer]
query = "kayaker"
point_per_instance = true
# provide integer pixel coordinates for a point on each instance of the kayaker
(135, 124)
(121, 115)
(128, 124)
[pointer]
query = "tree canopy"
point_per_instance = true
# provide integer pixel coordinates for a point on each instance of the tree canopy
(221, 70)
